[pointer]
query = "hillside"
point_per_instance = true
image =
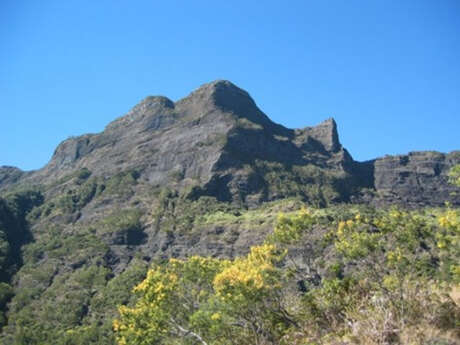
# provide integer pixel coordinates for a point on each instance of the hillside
(206, 175)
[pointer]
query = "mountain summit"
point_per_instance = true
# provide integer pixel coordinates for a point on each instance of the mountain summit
(217, 142)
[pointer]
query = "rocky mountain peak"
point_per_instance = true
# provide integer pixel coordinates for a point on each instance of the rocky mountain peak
(224, 96)
(220, 91)
(323, 135)
(327, 131)
(148, 108)
(217, 142)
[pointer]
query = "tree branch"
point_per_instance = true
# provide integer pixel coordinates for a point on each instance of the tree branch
(187, 332)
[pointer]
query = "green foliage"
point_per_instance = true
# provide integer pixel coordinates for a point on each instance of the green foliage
(448, 242)
(386, 280)
(247, 124)
(76, 199)
(394, 278)
(79, 190)
(79, 247)
(100, 334)
(344, 274)
(266, 214)
(83, 174)
(4, 249)
(176, 213)
(454, 175)
(121, 221)
(62, 306)
(118, 291)
(207, 301)
(354, 243)
(121, 184)
(75, 307)
(6, 292)
(78, 177)
(13, 228)
(315, 185)
(289, 229)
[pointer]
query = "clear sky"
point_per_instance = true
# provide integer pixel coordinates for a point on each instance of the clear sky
(387, 71)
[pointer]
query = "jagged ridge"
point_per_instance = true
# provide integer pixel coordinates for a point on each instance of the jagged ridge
(218, 142)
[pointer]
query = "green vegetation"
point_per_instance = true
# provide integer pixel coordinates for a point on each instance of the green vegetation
(14, 233)
(266, 214)
(121, 183)
(56, 282)
(76, 199)
(387, 281)
(176, 213)
(319, 187)
(78, 189)
(454, 175)
(121, 221)
(247, 124)
(74, 268)
(188, 301)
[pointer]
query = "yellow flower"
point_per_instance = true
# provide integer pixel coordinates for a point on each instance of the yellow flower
(341, 227)
(215, 316)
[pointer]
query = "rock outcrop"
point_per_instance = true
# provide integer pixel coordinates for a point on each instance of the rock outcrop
(416, 179)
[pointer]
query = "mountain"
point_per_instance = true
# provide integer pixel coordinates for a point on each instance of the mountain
(206, 175)
(217, 142)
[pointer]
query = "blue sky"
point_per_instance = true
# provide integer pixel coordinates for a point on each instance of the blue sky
(387, 71)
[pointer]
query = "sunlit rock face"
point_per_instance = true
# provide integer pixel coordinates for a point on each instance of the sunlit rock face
(416, 179)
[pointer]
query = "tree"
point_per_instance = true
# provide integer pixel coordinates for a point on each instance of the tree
(208, 301)
(386, 281)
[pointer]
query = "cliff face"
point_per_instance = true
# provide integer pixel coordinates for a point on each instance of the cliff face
(416, 179)
(217, 142)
